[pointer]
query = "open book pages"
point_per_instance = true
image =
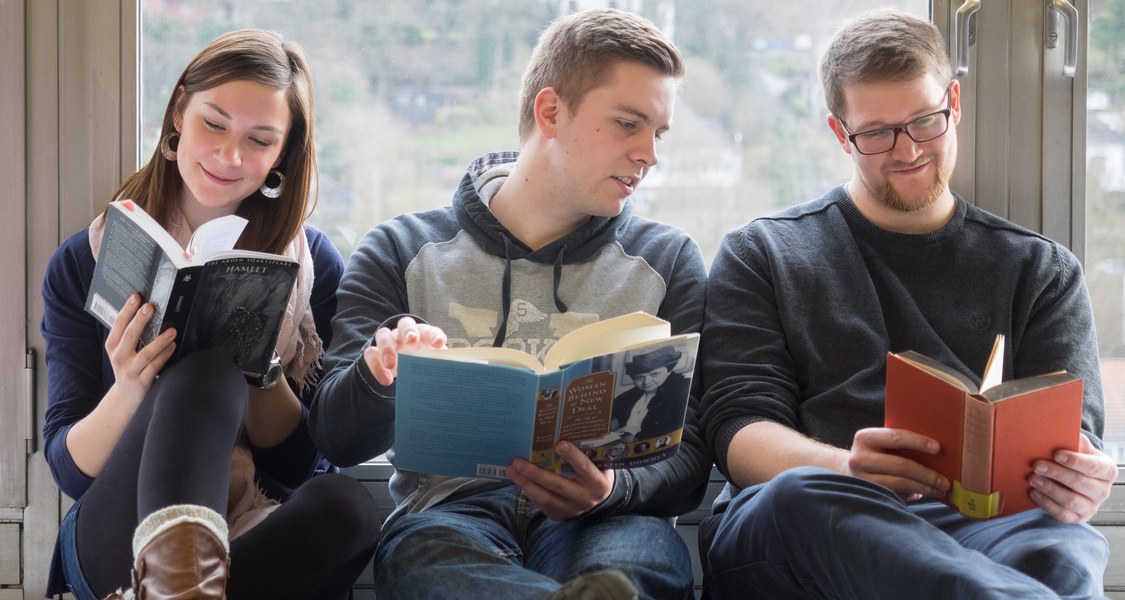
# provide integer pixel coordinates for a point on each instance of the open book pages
(596, 339)
(215, 236)
(993, 370)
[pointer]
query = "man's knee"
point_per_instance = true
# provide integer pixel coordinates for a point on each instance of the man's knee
(1073, 565)
(787, 496)
(429, 537)
(798, 504)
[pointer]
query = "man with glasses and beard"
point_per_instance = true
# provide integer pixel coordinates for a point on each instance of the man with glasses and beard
(802, 309)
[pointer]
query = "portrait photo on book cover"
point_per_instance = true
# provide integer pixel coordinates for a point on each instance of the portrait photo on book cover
(650, 400)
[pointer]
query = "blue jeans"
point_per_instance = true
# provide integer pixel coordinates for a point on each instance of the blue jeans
(812, 533)
(497, 545)
(68, 549)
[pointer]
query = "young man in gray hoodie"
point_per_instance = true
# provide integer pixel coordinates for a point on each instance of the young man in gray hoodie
(536, 243)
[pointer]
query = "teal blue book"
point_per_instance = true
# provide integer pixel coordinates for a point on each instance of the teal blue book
(618, 389)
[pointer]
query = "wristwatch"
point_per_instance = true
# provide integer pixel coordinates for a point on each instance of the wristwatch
(267, 380)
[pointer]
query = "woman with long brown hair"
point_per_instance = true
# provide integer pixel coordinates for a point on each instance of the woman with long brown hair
(182, 479)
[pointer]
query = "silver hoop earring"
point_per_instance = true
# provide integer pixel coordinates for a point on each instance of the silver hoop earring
(166, 146)
(273, 192)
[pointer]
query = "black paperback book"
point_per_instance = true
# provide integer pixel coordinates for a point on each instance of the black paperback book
(214, 296)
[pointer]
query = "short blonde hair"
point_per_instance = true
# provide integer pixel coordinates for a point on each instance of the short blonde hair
(576, 52)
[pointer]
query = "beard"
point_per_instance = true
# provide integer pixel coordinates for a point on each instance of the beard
(884, 194)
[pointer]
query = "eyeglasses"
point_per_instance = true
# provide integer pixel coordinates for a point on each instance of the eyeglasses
(923, 129)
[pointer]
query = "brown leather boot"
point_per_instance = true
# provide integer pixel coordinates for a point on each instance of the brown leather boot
(181, 552)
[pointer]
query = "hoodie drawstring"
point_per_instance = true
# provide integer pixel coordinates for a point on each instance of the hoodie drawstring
(506, 293)
(558, 278)
(506, 289)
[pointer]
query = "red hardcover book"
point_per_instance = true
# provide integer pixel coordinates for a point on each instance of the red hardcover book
(990, 434)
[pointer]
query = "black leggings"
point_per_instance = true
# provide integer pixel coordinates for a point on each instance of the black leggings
(177, 450)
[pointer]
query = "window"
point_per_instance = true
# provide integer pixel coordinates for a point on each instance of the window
(1105, 206)
(408, 93)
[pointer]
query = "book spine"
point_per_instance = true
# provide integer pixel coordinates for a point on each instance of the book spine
(176, 308)
(973, 495)
(545, 435)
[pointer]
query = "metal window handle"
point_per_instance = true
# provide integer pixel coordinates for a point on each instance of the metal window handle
(964, 34)
(1070, 14)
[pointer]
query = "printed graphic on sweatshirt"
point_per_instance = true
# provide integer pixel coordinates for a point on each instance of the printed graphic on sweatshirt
(523, 312)
(480, 324)
(455, 286)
